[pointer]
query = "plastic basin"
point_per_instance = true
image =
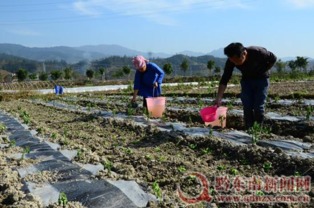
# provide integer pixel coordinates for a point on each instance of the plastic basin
(221, 118)
(209, 114)
(156, 106)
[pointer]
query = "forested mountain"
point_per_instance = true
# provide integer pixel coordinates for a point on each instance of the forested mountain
(71, 54)
(13, 63)
(196, 65)
(68, 54)
(48, 59)
(85, 53)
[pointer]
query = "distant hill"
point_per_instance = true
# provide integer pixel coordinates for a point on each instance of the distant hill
(68, 54)
(111, 57)
(88, 53)
(72, 54)
(12, 63)
(116, 50)
(219, 53)
(294, 58)
(197, 65)
(191, 53)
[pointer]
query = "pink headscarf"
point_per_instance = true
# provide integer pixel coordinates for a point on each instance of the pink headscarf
(139, 62)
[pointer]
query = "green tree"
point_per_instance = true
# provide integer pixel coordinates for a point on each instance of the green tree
(280, 66)
(168, 68)
(21, 75)
(294, 74)
(43, 76)
(33, 76)
(90, 73)
(56, 74)
(292, 65)
(126, 70)
(184, 65)
(102, 72)
(217, 70)
(210, 65)
(301, 63)
(68, 73)
(118, 74)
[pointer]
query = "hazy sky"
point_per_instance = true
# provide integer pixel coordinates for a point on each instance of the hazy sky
(285, 27)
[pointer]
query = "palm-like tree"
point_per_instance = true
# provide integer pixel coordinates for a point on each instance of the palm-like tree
(43, 76)
(292, 65)
(21, 74)
(210, 65)
(184, 65)
(280, 66)
(56, 74)
(126, 70)
(217, 70)
(102, 71)
(301, 63)
(168, 68)
(90, 73)
(68, 73)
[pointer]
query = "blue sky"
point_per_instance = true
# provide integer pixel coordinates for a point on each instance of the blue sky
(285, 27)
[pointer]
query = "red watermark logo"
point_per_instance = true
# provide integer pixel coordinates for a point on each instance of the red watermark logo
(267, 189)
(203, 196)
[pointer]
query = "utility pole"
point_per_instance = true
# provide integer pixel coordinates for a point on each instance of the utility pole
(44, 67)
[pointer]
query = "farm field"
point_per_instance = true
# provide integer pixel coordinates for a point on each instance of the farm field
(177, 150)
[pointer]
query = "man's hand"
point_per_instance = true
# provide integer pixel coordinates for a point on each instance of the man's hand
(221, 90)
(217, 102)
(155, 84)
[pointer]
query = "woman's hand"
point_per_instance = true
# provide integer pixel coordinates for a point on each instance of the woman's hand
(155, 84)
(133, 100)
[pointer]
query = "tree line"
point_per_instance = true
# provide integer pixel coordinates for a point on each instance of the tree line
(114, 68)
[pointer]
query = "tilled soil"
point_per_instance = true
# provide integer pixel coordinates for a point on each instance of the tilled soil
(286, 90)
(148, 156)
(303, 129)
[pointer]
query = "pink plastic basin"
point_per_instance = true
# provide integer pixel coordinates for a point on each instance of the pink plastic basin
(209, 114)
(221, 118)
(156, 106)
